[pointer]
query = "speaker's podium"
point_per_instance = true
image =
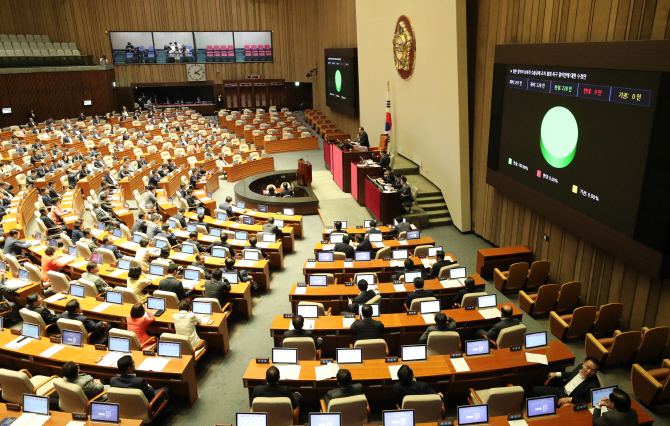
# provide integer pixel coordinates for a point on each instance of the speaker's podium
(304, 173)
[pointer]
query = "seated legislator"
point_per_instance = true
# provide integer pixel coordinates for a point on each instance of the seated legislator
(180, 217)
(200, 221)
(271, 228)
(138, 321)
(362, 298)
(107, 244)
(274, 390)
(227, 207)
(154, 227)
(87, 239)
(78, 231)
(13, 245)
(50, 261)
(137, 281)
(407, 385)
(618, 411)
(34, 303)
(442, 323)
(90, 386)
(418, 293)
(409, 267)
(242, 274)
(345, 247)
(98, 328)
(185, 322)
(363, 138)
(139, 225)
(171, 283)
(220, 290)
(402, 226)
(145, 253)
(363, 244)
(15, 316)
(506, 321)
(367, 328)
(53, 229)
(345, 389)
(469, 288)
(384, 160)
(574, 387)
(373, 228)
(222, 243)
(128, 380)
(286, 191)
(298, 323)
(165, 254)
(440, 263)
(200, 264)
(338, 228)
(252, 245)
(166, 233)
(193, 239)
(92, 275)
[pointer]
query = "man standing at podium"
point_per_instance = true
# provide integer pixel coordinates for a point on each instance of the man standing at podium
(363, 138)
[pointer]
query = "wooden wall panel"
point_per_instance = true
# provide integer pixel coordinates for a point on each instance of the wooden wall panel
(502, 221)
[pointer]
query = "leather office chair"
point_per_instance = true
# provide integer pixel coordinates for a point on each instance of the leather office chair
(134, 405)
(196, 352)
(512, 280)
(280, 410)
(470, 299)
(427, 408)
(421, 250)
(129, 296)
(90, 290)
(367, 273)
(653, 344)
(374, 300)
(650, 386)
(383, 252)
(538, 274)
(15, 383)
(67, 242)
(125, 232)
(33, 317)
(511, 336)
(74, 325)
(373, 348)
(15, 263)
(416, 303)
(59, 281)
(501, 401)
(572, 326)
(540, 303)
(135, 345)
(216, 305)
(338, 255)
(171, 299)
(83, 250)
(355, 409)
(71, 398)
(607, 319)
(322, 310)
(107, 256)
(568, 297)
(443, 343)
(34, 273)
(306, 349)
(618, 349)
(444, 271)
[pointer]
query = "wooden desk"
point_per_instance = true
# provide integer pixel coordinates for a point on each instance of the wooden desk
(501, 258)
(292, 144)
(358, 173)
(352, 230)
(250, 168)
(381, 267)
(499, 369)
(399, 329)
(382, 205)
(211, 184)
(130, 185)
(394, 244)
(59, 418)
(178, 373)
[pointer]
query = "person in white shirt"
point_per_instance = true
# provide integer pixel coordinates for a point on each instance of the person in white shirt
(574, 387)
(145, 253)
(185, 321)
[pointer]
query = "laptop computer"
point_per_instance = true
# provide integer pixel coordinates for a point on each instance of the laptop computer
(168, 349)
(401, 254)
(104, 412)
(215, 232)
(115, 297)
(318, 280)
(160, 243)
(375, 309)
(137, 238)
(202, 308)
(366, 223)
(36, 404)
(488, 301)
(117, 232)
(71, 338)
(289, 212)
(535, 340)
(157, 270)
(3, 265)
(53, 242)
(349, 356)
(217, 252)
(240, 204)
(429, 307)
(362, 256)
(30, 330)
(375, 238)
(279, 223)
(191, 277)
(190, 248)
(325, 419)
(24, 275)
(191, 228)
(308, 311)
(473, 414)
(336, 238)
(200, 210)
(251, 419)
(542, 406)
(241, 235)
(433, 250)
(119, 344)
(398, 418)
(477, 347)
(413, 353)
(410, 275)
(77, 290)
(325, 256)
(284, 355)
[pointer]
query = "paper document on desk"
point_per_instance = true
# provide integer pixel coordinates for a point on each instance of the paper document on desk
(348, 264)
(537, 358)
(379, 245)
(117, 272)
(110, 359)
(328, 247)
(182, 234)
(245, 263)
(54, 298)
(153, 364)
(429, 318)
(235, 225)
(309, 325)
(219, 222)
(31, 419)
(403, 243)
(460, 364)
(346, 322)
(74, 423)
(40, 247)
(397, 263)
(66, 259)
(520, 422)
(16, 345)
(211, 239)
(328, 371)
(263, 245)
(451, 284)
(489, 313)
(393, 369)
(52, 351)
(603, 409)
(428, 263)
(181, 256)
(129, 245)
(289, 372)
(16, 283)
(101, 307)
(300, 290)
(81, 263)
(237, 242)
(399, 287)
(121, 211)
(328, 231)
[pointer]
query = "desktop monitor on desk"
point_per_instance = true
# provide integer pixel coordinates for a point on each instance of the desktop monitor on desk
(117, 232)
(400, 254)
(289, 211)
(432, 251)
(413, 353)
(375, 310)
(279, 223)
(168, 349)
(349, 356)
(344, 224)
(217, 252)
(456, 273)
(473, 414)
(336, 238)
(155, 269)
(413, 235)
(398, 418)
(232, 277)
(488, 301)
(202, 308)
(190, 248)
(247, 220)
(241, 235)
(200, 210)
(375, 238)
(284, 355)
(215, 232)
(192, 228)
(104, 412)
(325, 256)
(262, 208)
(542, 406)
(325, 419)
(77, 290)
(96, 258)
(160, 243)
(362, 256)
(269, 238)
(318, 280)
(535, 340)
(477, 347)
(240, 205)
(369, 278)
(221, 216)
(156, 303)
(251, 419)
(137, 238)
(367, 223)
(410, 275)
(30, 330)
(71, 338)
(119, 344)
(36, 404)
(308, 311)
(599, 393)
(192, 273)
(114, 297)
(429, 306)
(254, 255)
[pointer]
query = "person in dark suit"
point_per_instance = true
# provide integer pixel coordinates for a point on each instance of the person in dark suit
(287, 191)
(52, 191)
(388, 177)
(127, 380)
(200, 264)
(506, 321)
(170, 165)
(373, 228)
(397, 183)
(385, 160)
(154, 178)
(469, 288)
(367, 328)
(72, 177)
(109, 245)
(363, 138)
(98, 328)
(405, 191)
(193, 239)
(345, 248)
(227, 207)
(141, 162)
(440, 263)
(36, 157)
(418, 292)
(574, 387)
(139, 225)
(363, 243)
(274, 390)
(442, 323)
(220, 290)
(402, 226)
(406, 385)
(363, 297)
(409, 267)
(179, 217)
(619, 412)
(271, 228)
(46, 197)
(34, 303)
(106, 177)
(171, 283)
(345, 387)
(252, 245)
(298, 323)
(222, 243)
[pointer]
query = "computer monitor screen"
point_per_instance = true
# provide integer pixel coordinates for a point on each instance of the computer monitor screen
(336, 238)
(536, 340)
(53, 242)
(115, 297)
(289, 212)
(3, 266)
(262, 208)
(401, 254)
(156, 303)
(231, 277)
(362, 256)
(367, 223)
(599, 393)
(432, 251)
(251, 419)
(413, 353)
(71, 338)
(191, 228)
(76, 290)
(172, 224)
(30, 330)
(1, 319)
(430, 307)
(202, 308)
(398, 418)
(137, 238)
(542, 406)
(308, 311)
(221, 216)
(124, 264)
(325, 419)
(254, 255)
(157, 269)
(477, 347)
(269, 238)
(189, 248)
(38, 235)
(375, 238)
(473, 414)
(35, 404)
(117, 232)
(279, 223)
(104, 412)
(119, 344)
(318, 280)
(369, 278)
(488, 301)
(161, 243)
(241, 235)
(219, 252)
(192, 274)
(325, 256)
(215, 232)
(455, 273)
(101, 226)
(240, 204)
(344, 224)
(409, 276)
(247, 220)
(72, 251)
(96, 258)
(24, 274)
(284, 356)
(200, 210)
(349, 356)
(375, 309)
(413, 235)
(169, 349)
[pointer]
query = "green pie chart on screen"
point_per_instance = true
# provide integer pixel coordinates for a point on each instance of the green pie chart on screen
(338, 80)
(558, 137)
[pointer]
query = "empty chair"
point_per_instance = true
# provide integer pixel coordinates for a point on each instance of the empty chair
(540, 303)
(501, 401)
(280, 410)
(373, 348)
(355, 409)
(470, 299)
(568, 297)
(15, 383)
(443, 343)
(653, 344)
(306, 349)
(383, 252)
(650, 386)
(444, 271)
(134, 405)
(512, 280)
(511, 336)
(538, 274)
(427, 408)
(59, 281)
(416, 303)
(618, 349)
(572, 326)
(171, 299)
(607, 319)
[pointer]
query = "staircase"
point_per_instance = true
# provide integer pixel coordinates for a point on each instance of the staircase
(435, 207)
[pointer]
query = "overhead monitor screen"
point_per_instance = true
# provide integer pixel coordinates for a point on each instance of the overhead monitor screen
(342, 80)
